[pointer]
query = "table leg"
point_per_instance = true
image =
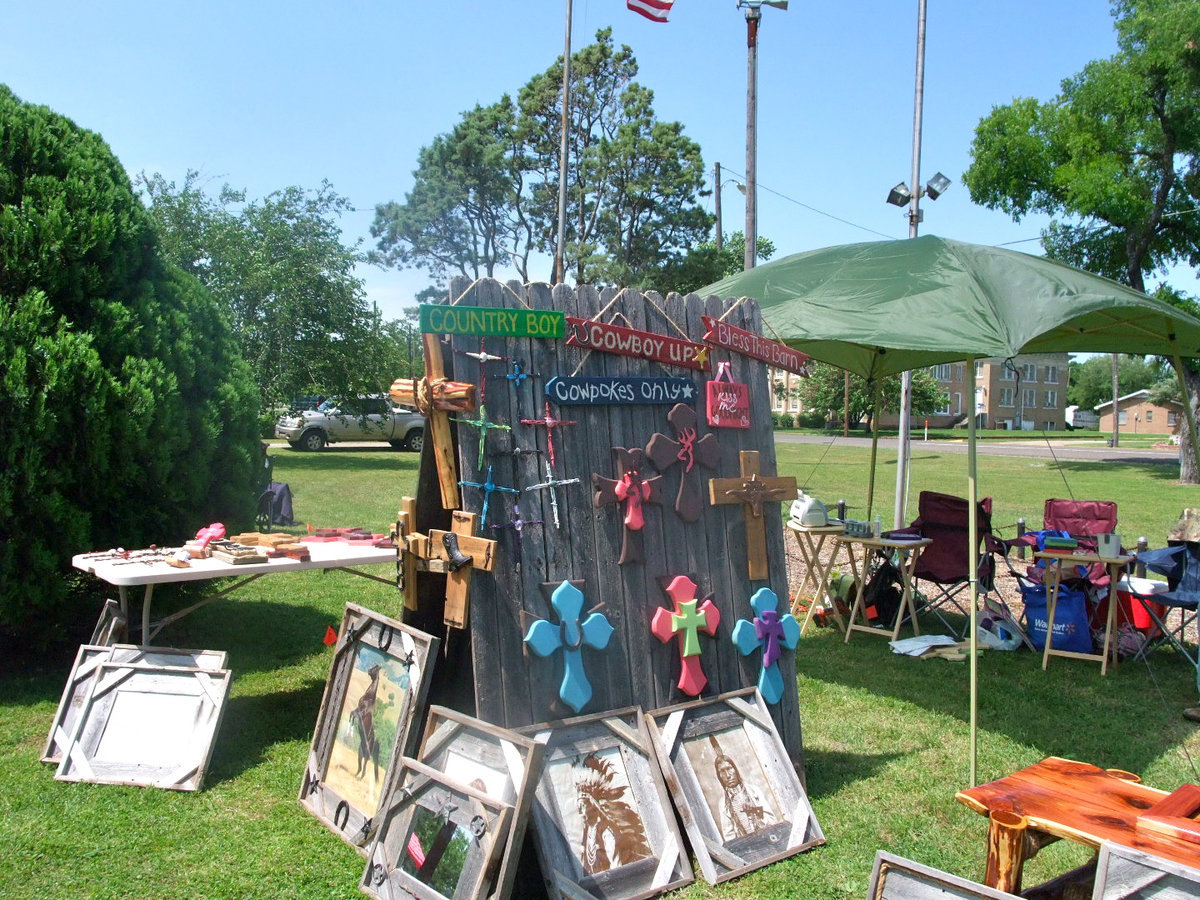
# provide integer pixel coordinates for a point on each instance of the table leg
(907, 566)
(124, 598)
(809, 554)
(1051, 579)
(1006, 850)
(856, 609)
(146, 614)
(1111, 619)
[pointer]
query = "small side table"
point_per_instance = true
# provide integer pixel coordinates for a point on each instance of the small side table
(909, 552)
(1053, 579)
(814, 586)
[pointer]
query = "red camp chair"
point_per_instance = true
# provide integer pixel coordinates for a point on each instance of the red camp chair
(942, 573)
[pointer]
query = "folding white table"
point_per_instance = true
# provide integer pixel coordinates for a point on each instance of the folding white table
(125, 574)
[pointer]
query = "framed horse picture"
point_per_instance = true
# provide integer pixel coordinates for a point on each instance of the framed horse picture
(741, 801)
(377, 684)
(438, 839)
(602, 818)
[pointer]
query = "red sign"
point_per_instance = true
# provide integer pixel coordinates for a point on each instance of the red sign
(728, 401)
(631, 342)
(748, 343)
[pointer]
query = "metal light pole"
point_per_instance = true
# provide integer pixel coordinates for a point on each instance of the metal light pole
(753, 16)
(559, 247)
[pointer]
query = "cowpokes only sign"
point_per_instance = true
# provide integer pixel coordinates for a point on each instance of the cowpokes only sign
(437, 318)
(631, 342)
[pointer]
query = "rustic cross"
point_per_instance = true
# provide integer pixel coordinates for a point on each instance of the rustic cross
(687, 621)
(484, 424)
(570, 636)
(518, 525)
(550, 484)
(487, 487)
(752, 491)
(517, 375)
(483, 358)
(433, 553)
(686, 449)
(549, 423)
(633, 491)
(436, 397)
(769, 631)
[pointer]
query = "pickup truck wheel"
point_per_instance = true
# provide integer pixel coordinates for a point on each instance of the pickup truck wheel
(311, 440)
(415, 440)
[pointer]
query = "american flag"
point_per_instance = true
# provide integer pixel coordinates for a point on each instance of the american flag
(654, 10)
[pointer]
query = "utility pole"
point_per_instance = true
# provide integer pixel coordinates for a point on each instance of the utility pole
(717, 201)
(753, 16)
(560, 244)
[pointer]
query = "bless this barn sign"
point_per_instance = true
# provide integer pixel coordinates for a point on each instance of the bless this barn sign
(747, 343)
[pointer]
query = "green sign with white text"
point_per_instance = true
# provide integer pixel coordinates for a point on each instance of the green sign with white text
(487, 320)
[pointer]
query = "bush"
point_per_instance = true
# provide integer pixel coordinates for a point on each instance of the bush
(126, 415)
(781, 419)
(810, 420)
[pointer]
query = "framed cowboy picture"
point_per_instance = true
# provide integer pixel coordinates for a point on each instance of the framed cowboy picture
(438, 839)
(741, 801)
(377, 683)
(602, 818)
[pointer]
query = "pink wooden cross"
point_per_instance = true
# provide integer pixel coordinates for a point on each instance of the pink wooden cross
(687, 621)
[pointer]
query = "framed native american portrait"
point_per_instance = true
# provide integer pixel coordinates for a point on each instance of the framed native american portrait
(437, 839)
(602, 818)
(377, 683)
(740, 799)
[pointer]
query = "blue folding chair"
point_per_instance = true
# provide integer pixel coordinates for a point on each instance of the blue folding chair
(1179, 562)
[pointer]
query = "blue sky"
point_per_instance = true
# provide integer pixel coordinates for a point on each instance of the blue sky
(264, 94)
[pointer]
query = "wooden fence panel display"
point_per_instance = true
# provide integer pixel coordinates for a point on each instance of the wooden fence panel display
(513, 687)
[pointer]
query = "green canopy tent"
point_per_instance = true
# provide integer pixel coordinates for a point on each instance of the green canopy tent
(883, 307)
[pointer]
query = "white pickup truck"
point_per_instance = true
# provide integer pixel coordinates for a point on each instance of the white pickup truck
(373, 418)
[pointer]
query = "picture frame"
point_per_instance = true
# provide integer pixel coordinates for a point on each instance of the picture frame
(896, 878)
(740, 799)
(151, 726)
(601, 815)
(110, 624)
(378, 681)
(1123, 873)
(437, 839)
(498, 761)
(83, 672)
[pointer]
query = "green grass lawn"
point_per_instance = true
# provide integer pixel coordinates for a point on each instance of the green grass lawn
(885, 736)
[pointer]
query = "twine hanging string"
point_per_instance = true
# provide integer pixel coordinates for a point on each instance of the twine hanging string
(456, 300)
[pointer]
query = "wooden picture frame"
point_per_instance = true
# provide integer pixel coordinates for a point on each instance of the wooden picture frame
(896, 878)
(740, 799)
(1123, 873)
(83, 671)
(111, 624)
(152, 726)
(601, 814)
(378, 681)
(437, 839)
(501, 763)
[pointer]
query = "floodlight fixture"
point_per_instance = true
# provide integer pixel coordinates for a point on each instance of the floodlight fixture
(900, 195)
(937, 186)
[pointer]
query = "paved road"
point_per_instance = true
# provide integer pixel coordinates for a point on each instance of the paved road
(1097, 451)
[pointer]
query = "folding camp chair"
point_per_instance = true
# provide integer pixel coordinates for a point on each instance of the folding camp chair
(942, 573)
(1179, 561)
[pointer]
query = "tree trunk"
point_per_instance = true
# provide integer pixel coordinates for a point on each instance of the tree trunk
(1189, 471)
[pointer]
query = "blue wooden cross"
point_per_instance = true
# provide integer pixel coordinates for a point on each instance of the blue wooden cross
(487, 487)
(768, 630)
(570, 635)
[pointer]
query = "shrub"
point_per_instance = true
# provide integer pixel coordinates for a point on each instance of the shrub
(781, 419)
(126, 415)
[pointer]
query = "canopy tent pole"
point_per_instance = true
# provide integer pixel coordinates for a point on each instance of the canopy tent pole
(973, 574)
(1187, 403)
(874, 446)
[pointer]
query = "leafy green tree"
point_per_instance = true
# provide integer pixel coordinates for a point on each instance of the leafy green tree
(1091, 379)
(287, 282)
(485, 196)
(126, 413)
(824, 391)
(1116, 155)
(633, 181)
(705, 264)
(466, 213)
